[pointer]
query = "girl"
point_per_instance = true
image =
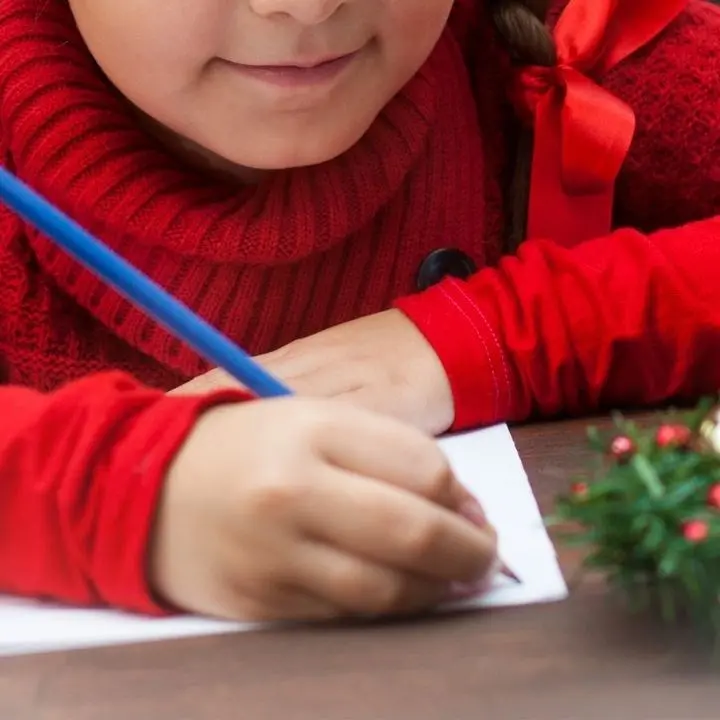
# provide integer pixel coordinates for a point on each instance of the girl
(284, 166)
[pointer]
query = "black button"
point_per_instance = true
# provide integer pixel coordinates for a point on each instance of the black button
(441, 263)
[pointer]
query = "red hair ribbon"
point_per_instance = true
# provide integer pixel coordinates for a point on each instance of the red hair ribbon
(583, 132)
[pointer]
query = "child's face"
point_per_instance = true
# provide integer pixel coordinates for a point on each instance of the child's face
(203, 68)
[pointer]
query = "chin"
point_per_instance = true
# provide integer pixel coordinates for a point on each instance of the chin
(303, 150)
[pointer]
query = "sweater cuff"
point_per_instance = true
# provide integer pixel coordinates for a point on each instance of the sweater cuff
(469, 349)
(134, 478)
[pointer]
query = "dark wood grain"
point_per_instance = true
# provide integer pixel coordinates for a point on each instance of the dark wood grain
(585, 658)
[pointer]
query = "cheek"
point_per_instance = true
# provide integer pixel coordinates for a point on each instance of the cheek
(427, 20)
(427, 14)
(145, 46)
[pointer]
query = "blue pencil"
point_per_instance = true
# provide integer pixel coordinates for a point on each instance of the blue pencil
(138, 288)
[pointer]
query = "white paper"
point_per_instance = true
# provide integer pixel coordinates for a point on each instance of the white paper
(486, 461)
(488, 464)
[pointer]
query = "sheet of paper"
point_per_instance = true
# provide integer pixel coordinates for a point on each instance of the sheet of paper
(486, 461)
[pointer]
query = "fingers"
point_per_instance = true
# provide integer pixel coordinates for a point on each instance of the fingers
(270, 603)
(324, 583)
(380, 447)
(392, 527)
(290, 605)
(357, 586)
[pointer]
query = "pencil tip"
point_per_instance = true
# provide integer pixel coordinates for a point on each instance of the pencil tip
(508, 573)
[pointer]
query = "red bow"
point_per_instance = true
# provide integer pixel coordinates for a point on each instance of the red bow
(582, 132)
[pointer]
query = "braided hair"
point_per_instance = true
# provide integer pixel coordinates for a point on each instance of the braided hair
(522, 30)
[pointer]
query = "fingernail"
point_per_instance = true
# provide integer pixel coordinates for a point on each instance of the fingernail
(494, 568)
(489, 573)
(465, 591)
(479, 586)
(472, 510)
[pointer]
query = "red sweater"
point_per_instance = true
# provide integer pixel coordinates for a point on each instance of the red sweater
(555, 328)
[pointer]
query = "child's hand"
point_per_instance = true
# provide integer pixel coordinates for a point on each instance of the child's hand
(380, 362)
(311, 509)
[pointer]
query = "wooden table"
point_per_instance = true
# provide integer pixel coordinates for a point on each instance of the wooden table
(583, 659)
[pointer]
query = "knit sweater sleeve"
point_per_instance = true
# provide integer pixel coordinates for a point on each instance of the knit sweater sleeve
(81, 472)
(627, 319)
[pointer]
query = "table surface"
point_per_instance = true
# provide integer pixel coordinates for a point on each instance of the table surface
(582, 659)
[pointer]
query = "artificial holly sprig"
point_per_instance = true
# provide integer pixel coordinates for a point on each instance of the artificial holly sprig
(649, 515)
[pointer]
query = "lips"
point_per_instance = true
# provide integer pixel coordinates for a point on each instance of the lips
(300, 64)
(298, 73)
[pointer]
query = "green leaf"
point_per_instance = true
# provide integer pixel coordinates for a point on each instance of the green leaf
(691, 575)
(647, 473)
(683, 492)
(669, 564)
(640, 524)
(656, 535)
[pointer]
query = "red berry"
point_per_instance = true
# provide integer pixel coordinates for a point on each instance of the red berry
(579, 489)
(695, 531)
(622, 447)
(672, 435)
(713, 497)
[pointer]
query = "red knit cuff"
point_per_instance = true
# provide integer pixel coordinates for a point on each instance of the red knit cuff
(469, 350)
(134, 477)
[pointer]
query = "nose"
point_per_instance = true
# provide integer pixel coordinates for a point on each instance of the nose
(306, 12)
